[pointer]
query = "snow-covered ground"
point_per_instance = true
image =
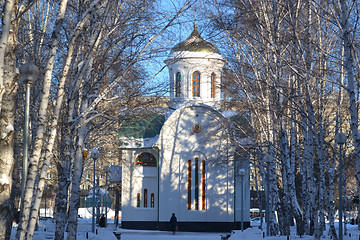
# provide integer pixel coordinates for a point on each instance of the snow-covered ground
(47, 228)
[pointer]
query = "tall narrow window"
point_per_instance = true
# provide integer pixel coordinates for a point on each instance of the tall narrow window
(189, 185)
(212, 85)
(196, 84)
(203, 185)
(178, 85)
(196, 183)
(138, 200)
(145, 198)
(152, 200)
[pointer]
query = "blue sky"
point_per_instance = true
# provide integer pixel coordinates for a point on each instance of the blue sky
(182, 28)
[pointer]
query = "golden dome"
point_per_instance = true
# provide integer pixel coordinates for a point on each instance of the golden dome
(195, 43)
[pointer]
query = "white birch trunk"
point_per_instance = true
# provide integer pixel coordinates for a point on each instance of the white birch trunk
(82, 131)
(310, 169)
(331, 207)
(286, 202)
(271, 168)
(4, 38)
(274, 198)
(76, 178)
(323, 157)
(8, 89)
(298, 214)
(39, 139)
(309, 183)
(71, 48)
(64, 169)
(74, 200)
(317, 138)
(349, 69)
(311, 131)
(271, 26)
(49, 149)
(331, 176)
(306, 158)
(77, 166)
(322, 185)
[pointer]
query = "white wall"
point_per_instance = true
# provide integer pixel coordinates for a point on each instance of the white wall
(135, 179)
(178, 144)
(187, 63)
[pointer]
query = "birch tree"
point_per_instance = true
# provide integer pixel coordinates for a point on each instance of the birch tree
(11, 13)
(344, 14)
(9, 10)
(34, 160)
(8, 89)
(84, 83)
(91, 81)
(283, 62)
(123, 91)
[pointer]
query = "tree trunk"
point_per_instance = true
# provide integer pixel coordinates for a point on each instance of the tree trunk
(6, 45)
(64, 168)
(47, 159)
(76, 177)
(8, 89)
(286, 203)
(349, 68)
(298, 213)
(330, 200)
(41, 123)
(46, 92)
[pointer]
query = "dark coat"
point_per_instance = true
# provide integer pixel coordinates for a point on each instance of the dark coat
(102, 221)
(173, 223)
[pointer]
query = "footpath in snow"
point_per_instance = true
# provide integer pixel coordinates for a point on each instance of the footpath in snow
(47, 228)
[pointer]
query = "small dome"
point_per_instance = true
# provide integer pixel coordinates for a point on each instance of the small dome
(195, 43)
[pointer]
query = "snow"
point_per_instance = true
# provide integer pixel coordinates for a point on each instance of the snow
(47, 228)
(139, 142)
(9, 128)
(229, 113)
(4, 179)
(256, 233)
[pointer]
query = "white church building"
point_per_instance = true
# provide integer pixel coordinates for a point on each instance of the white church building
(184, 159)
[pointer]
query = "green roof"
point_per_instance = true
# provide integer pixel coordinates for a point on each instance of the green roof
(141, 127)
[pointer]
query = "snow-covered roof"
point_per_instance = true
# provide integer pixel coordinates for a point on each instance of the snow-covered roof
(137, 142)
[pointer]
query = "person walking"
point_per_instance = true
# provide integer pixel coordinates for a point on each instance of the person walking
(173, 223)
(102, 221)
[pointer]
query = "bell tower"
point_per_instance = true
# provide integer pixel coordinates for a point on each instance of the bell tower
(195, 67)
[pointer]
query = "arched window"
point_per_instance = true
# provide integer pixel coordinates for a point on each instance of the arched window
(138, 200)
(189, 185)
(196, 84)
(203, 185)
(196, 183)
(145, 159)
(178, 85)
(212, 85)
(152, 200)
(145, 198)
